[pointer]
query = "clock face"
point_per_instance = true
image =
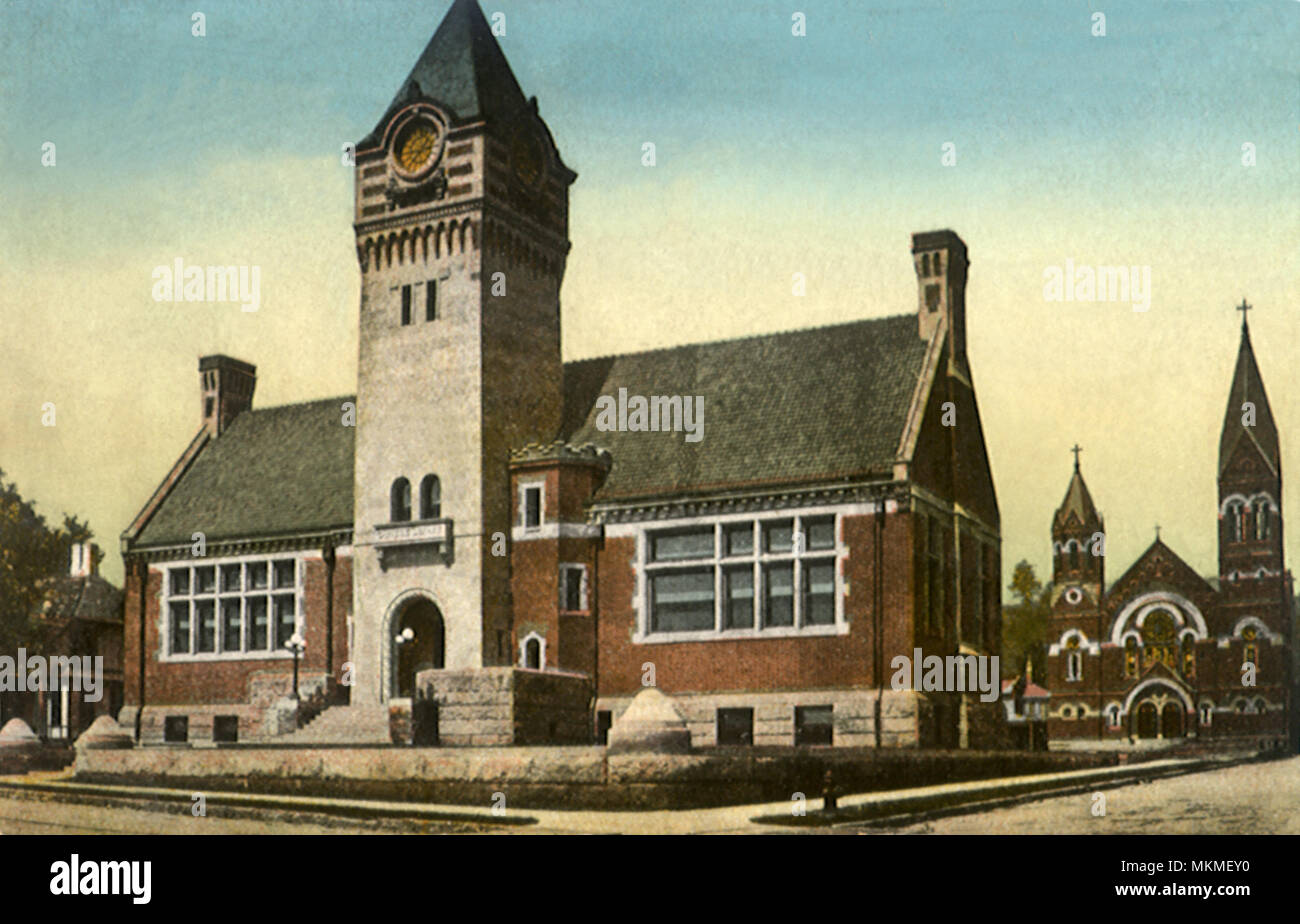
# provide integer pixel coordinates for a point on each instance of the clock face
(416, 147)
(1073, 595)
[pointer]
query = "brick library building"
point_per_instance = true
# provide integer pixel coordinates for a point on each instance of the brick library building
(467, 552)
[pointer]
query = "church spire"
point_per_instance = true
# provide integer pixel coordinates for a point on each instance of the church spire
(1248, 416)
(1078, 502)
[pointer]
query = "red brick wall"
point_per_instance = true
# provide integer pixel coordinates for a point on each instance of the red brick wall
(222, 681)
(763, 664)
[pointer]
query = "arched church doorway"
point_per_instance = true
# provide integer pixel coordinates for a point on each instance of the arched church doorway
(1160, 714)
(1171, 721)
(1147, 720)
(418, 643)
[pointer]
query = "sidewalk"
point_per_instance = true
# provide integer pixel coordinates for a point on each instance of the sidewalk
(735, 819)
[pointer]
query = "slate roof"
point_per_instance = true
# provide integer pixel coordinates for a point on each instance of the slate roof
(89, 599)
(1078, 501)
(274, 471)
(463, 69)
(817, 404)
(1248, 385)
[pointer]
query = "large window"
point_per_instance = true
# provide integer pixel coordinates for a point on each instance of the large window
(752, 575)
(232, 608)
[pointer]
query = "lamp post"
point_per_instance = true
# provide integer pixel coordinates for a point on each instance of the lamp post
(296, 644)
(406, 636)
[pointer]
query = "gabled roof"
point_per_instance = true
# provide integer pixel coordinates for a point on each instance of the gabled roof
(1158, 565)
(273, 472)
(462, 69)
(818, 404)
(1248, 386)
(1078, 501)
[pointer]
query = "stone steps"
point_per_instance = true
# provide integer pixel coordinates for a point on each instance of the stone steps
(344, 725)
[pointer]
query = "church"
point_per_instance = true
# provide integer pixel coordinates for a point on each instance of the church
(1163, 655)
(474, 550)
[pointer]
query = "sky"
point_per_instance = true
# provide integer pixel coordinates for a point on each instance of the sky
(776, 154)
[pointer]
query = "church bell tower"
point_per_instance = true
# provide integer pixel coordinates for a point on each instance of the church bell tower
(462, 236)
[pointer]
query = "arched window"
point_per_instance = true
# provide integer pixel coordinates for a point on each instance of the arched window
(532, 652)
(1249, 650)
(1074, 553)
(1236, 531)
(1262, 512)
(1241, 706)
(1112, 716)
(1131, 657)
(1158, 638)
(1207, 711)
(1189, 656)
(1073, 660)
(430, 498)
(399, 501)
(1260, 706)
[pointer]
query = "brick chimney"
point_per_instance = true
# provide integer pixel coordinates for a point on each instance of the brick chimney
(227, 390)
(84, 560)
(941, 264)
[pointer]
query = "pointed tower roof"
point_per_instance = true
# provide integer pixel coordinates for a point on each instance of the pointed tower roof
(1248, 386)
(462, 69)
(1077, 501)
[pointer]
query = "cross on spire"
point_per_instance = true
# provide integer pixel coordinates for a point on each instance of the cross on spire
(1243, 308)
(1076, 449)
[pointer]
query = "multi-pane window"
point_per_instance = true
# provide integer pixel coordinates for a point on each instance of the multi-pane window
(752, 575)
(232, 608)
(934, 577)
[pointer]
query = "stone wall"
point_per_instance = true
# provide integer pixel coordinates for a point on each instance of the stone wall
(508, 705)
(559, 777)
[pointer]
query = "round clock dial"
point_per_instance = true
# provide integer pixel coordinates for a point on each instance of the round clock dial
(1073, 595)
(416, 147)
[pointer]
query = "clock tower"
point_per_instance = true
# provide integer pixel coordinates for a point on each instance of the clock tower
(462, 236)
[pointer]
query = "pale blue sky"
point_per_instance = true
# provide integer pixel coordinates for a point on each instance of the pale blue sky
(776, 155)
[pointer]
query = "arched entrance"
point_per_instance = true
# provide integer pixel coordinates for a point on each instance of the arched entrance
(1148, 722)
(1159, 713)
(418, 643)
(1171, 721)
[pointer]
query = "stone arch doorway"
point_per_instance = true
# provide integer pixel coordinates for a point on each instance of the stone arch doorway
(419, 643)
(1160, 713)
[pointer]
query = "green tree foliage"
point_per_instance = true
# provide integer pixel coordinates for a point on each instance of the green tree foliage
(1024, 623)
(32, 557)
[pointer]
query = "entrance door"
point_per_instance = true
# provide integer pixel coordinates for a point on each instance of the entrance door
(1147, 720)
(1171, 721)
(418, 642)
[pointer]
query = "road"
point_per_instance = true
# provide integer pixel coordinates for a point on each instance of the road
(1261, 798)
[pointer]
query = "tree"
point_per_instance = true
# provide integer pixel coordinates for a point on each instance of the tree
(32, 557)
(1024, 628)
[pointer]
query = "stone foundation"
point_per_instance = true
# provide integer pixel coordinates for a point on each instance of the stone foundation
(902, 715)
